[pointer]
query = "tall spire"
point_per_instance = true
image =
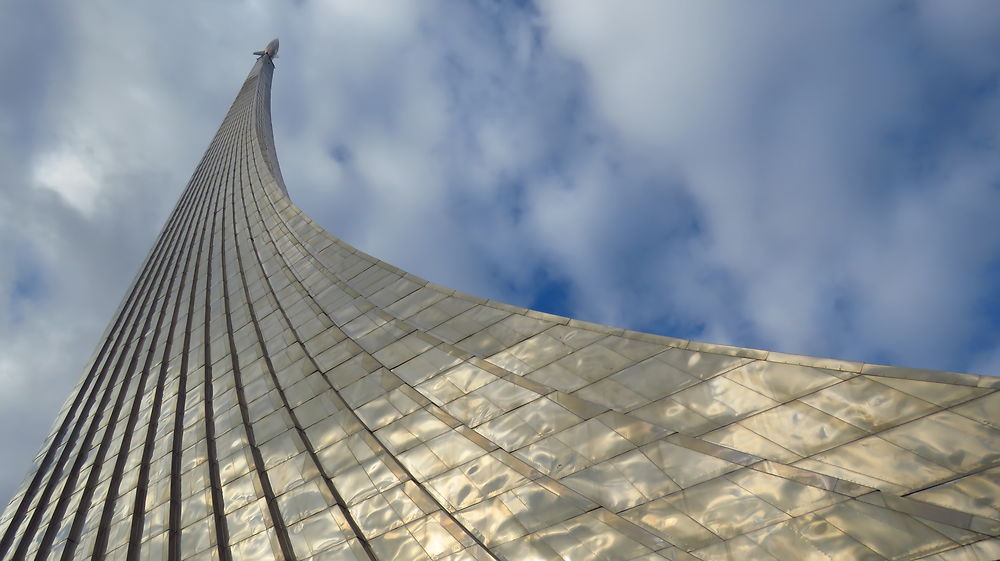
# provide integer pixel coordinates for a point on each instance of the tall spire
(267, 391)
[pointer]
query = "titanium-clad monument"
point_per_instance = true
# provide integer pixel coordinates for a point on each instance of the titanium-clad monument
(267, 391)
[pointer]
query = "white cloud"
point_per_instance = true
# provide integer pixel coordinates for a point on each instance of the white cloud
(781, 120)
(71, 175)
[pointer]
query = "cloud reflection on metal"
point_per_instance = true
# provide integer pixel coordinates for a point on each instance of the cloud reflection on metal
(267, 391)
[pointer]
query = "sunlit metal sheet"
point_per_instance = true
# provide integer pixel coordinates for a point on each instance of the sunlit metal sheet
(298, 399)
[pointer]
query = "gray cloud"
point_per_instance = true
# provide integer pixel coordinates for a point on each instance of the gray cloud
(849, 219)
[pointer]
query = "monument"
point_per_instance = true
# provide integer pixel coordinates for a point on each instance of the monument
(267, 391)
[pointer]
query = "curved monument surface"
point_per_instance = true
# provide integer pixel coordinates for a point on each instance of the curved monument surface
(267, 391)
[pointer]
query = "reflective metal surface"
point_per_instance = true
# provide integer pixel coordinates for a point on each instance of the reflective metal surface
(269, 392)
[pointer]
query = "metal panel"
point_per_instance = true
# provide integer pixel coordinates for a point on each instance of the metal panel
(267, 391)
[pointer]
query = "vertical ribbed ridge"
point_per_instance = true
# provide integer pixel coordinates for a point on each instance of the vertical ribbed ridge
(266, 391)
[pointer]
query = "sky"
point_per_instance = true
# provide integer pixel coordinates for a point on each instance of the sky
(818, 179)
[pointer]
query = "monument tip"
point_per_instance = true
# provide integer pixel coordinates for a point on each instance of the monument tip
(271, 50)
